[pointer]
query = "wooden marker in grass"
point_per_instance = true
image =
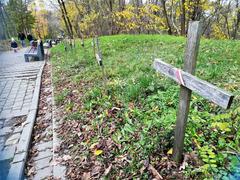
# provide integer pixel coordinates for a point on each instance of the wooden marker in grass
(189, 83)
(98, 52)
(98, 55)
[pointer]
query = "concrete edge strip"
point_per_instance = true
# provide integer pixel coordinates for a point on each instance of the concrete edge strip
(16, 171)
(59, 170)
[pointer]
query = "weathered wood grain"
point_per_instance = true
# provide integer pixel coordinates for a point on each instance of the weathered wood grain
(201, 87)
(98, 53)
(99, 59)
(192, 46)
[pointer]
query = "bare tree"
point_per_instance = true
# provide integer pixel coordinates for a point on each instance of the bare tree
(166, 16)
(66, 18)
(237, 21)
(183, 18)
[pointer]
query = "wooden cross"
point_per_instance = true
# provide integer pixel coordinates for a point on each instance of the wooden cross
(97, 51)
(189, 83)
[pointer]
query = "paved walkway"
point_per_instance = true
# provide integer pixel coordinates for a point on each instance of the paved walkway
(18, 80)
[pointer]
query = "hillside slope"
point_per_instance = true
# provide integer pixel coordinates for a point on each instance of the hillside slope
(124, 126)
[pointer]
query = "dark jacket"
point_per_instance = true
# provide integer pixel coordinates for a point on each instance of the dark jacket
(29, 37)
(21, 36)
(14, 44)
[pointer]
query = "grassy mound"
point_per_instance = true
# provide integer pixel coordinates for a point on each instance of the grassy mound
(124, 127)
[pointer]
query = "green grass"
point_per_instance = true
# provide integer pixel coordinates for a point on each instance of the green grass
(138, 106)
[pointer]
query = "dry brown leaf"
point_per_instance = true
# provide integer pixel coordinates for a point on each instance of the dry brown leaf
(96, 170)
(31, 171)
(142, 169)
(86, 176)
(154, 172)
(107, 171)
(184, 164)
(122, 158)
(66, 157)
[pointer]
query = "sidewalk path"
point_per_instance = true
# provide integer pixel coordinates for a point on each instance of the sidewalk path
(18, 95)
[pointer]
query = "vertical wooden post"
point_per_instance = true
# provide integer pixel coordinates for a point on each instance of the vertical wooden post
(94, 46)
(191, 52)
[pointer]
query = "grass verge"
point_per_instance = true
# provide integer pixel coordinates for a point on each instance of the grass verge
(123, 127)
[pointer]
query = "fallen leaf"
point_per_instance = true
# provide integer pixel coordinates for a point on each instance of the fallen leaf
(142, 169)
(184, 164)
(66, 157)
(107, 171)
(93, 146)
(98, 152)
(31, 171)
(154, 172)
(86, 176)
(170, 151)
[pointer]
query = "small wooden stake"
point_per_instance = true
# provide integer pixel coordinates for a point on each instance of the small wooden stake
(98, 55)
(193, 41)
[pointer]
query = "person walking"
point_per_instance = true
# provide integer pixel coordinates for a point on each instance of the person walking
(14, 45)
(30, 38)
(22, 37)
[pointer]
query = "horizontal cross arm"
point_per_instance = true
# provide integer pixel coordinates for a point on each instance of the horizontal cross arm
(201, 87)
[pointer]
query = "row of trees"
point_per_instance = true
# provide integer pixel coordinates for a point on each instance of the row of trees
(15, 17)
(221, 18)
(27, 16)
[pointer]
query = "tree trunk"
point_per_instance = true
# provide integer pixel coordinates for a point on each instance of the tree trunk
(183, 18)
(236, 25)
(77, 27)
(111, 18)
(64, 18)
(68, 20)
(4, 24)
(196, 15)
(166, 16)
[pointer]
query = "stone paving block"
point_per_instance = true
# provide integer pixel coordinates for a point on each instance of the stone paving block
(7, 154)
(6, 130)
(43, 173)
(12, 96)
(24, 111)
(1, 124)
(43, 154)
(17, 112)
(18, 129)
(45, 145)
(13, 139)
(18, 102)
(43, 163)
(7, 107)
(59, 172)
(16, 109)
(9, 122)
(14, 90)
(25, 107)
(4, 95)
(20, 157)
(16, 171)
(5, 113)
(9, 103)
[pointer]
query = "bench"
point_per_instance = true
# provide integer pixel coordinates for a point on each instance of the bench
(34, 51)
